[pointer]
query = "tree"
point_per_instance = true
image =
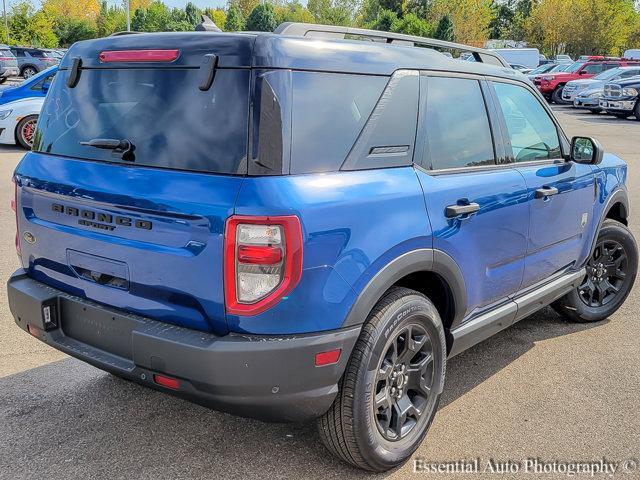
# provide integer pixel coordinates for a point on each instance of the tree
(235, 21)
(444, 30)
(293, 11)
(245, 6)
(333, 12)
(28, 27)
(71, 30)
(193, 14)
(410, 24)
(78, 9)
(218, 16)
(385, 21)
(110, 20)
(471, 18)
(262, 19)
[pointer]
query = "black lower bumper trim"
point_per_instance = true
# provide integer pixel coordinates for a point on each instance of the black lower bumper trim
(265, 377)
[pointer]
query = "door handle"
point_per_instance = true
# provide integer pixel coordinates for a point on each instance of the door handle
(545, 192)
(456, 210)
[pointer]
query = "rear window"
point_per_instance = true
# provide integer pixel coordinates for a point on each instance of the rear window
(167, 119)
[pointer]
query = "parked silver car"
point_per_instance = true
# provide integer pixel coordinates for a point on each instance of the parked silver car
(34, 60)
(587, 92)
(8, 63)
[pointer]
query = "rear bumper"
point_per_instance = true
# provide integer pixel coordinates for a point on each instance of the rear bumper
(264, 377)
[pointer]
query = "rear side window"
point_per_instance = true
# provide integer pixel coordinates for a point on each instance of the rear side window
(6, 53)
(457, 125)
(532, 133)
(167, 119)
(329, 111)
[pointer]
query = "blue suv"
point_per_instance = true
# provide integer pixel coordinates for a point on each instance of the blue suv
(302, 225)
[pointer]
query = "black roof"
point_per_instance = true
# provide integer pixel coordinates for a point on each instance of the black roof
(272, 50)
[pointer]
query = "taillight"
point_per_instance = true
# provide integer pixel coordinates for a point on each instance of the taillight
(262, 261)
(138, 56)
(14, 207)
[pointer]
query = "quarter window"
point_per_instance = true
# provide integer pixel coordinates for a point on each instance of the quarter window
(532, 133)
(458, 132)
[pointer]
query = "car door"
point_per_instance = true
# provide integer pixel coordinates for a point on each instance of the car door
(560, 193)
(476, 204)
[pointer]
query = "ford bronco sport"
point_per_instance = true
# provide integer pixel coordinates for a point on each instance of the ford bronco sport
(303, 225)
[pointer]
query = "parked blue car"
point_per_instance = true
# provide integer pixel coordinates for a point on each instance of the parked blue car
(35, 86)
(295, 227)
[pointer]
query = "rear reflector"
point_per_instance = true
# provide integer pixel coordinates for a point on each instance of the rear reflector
(167, 382)
(34, 331)
(327, 358)
(259, 255)
(109, 56)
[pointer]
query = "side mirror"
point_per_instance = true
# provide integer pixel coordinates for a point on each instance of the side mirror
(586, 150)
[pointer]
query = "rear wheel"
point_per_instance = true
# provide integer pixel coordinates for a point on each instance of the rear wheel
(611, 272)
(25, 131)
(391, 387)
(556, 96)
(28, 72)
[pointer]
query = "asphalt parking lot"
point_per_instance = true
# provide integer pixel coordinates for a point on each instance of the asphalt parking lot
(542, 389)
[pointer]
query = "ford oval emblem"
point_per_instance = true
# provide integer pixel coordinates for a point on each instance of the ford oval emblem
(29, 237)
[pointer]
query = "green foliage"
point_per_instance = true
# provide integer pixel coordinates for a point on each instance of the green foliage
(193, 14)
(28, 27)
(71, 30)
(234, 22)
(333, 12)
(444, 30)
(110, 20)
(218, 16)
(410, 24)
(385, 21)
(262, 19)
(293, 12)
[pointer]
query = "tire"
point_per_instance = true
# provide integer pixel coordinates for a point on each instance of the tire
(636, 110)
(28, 72)
(623, 116)
(3, 80)
(556, 96)
(351, 429)
(615, 245)
(595, 111)
(26, 125)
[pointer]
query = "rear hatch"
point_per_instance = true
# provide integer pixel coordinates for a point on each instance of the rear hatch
(137, 161)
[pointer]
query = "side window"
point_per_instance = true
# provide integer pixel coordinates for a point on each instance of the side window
(328, 113)
(43, 84)
(36, 53)
(18, 52)
(532, 133)
(457, 125)
(630, 73)
(594, 68)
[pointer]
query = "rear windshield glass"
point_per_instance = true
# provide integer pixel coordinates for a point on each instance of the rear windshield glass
(161, 113)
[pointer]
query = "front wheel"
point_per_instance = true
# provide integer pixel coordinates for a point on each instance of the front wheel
(595, 110)
(611, 272)
(556, 96)
(636, 110)
(28, 72)
(25, 131)
(390, 390)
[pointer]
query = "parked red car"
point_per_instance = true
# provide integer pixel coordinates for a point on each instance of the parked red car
(551, 84)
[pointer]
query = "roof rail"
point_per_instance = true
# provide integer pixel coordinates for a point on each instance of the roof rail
(339, 32)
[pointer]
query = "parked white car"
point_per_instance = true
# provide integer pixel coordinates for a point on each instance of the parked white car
(575, 88)
(18, 121)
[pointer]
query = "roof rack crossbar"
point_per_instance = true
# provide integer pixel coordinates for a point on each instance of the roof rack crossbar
(336, 31)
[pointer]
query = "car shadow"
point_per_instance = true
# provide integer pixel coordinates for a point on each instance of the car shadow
(67, 419)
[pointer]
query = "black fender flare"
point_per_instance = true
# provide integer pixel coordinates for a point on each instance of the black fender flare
(424, 259)
(618, 196)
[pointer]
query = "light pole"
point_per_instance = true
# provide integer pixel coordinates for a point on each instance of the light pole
(126, 6)
(6, 22)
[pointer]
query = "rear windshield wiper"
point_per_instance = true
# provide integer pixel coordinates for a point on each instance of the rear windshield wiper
(122, 147)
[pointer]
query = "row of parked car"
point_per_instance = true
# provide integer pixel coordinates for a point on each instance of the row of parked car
(26, 61)
(20, 106)
(599, 84)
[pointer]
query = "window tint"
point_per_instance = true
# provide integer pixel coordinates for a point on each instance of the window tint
(167, 119)
(593, 68)
(43, 83)
(630, 73)
(458, 132)
(36, 53)
(329, 111)
(532, 133)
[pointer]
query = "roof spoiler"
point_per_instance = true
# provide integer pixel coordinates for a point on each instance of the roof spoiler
(339, 32)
